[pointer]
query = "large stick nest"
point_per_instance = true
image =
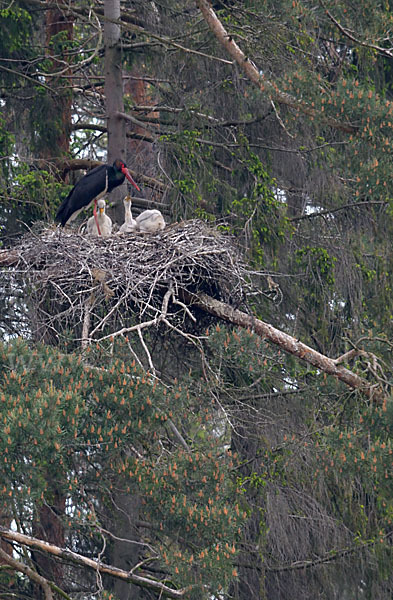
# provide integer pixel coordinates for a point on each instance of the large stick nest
(102, 285)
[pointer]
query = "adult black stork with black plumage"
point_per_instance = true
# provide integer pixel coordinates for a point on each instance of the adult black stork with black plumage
(92, 187)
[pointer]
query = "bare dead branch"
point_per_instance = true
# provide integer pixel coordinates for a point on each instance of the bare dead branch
(95, 127)
(327, 212)
(348, 34)
(79, 559)
(129, 20)
(252, 73)
(286, 342)
(333, 555)
(347, 356)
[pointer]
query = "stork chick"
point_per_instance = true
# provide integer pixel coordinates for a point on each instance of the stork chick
(104, 226)
(129, 225)
(150, 221)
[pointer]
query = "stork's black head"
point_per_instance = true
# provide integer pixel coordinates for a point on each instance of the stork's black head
(120, 167)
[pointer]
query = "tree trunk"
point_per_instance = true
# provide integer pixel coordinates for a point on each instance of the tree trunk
(250, 583)
(122, 552)
(114, 98)
(49, 527)
(141, 150)
(55, 137)
(54, 142)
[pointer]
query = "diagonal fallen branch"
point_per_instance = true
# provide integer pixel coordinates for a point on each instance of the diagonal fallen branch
(288, 343)
(146, 582)
(253, 74)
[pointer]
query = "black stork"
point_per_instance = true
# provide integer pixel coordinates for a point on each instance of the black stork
(92, 187)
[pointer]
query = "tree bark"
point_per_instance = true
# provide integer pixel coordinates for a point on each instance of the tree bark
(54, 141)
(57, 22)
(140, 146)
(49, 526)
(122, 516)
(114, 96)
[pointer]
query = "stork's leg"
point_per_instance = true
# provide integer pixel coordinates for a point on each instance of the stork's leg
(95, 216)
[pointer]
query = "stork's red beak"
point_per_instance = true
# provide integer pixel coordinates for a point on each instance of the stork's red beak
(130, 179)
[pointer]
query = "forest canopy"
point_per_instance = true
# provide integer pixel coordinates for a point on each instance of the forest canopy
(205, 411)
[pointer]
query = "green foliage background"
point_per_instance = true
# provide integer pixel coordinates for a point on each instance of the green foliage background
(285, 467)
